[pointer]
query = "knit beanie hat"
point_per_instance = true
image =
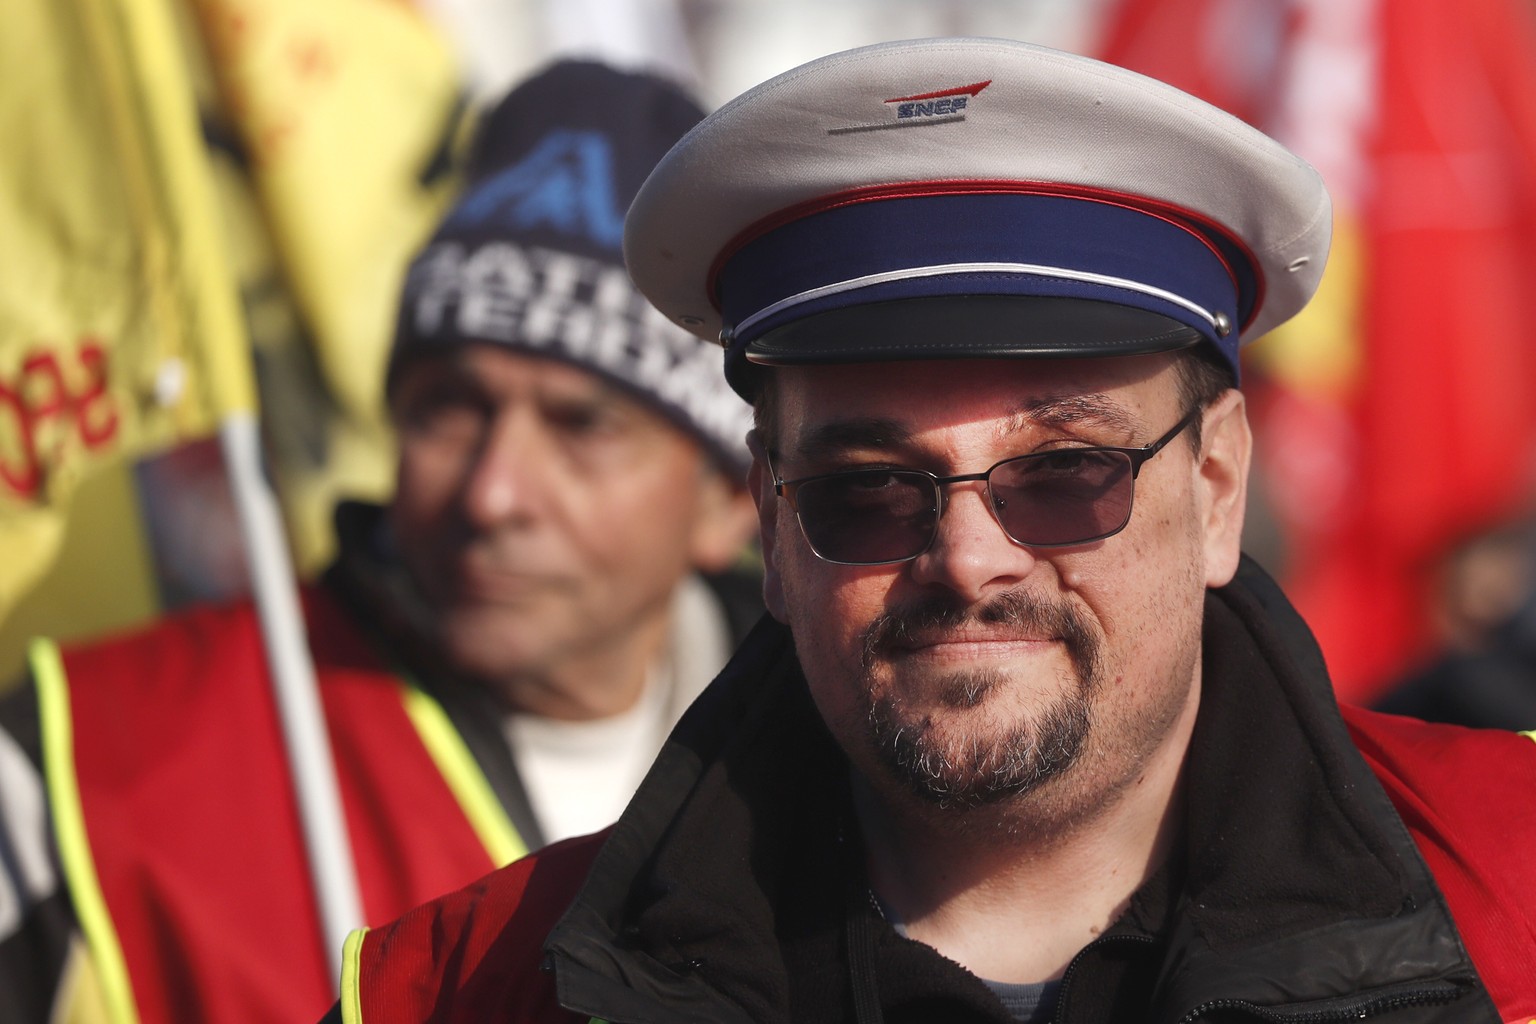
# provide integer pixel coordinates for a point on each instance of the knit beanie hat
(530, 257)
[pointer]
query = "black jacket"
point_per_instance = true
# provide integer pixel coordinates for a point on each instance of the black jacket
(733, 888)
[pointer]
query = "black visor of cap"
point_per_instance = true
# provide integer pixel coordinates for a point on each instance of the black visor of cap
(959, 327)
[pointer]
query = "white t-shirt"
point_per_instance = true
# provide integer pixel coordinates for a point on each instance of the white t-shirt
(580, 775)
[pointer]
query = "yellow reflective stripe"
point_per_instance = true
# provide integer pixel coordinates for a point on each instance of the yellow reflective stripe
(464, 777)
(351, 967)
(70, 833)
(1530, 735)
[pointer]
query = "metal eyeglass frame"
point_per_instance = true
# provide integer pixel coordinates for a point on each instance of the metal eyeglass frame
(1137, 457)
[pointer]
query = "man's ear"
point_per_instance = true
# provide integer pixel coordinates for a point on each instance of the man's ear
(725, 523)
(760, 485)
(1226, 452)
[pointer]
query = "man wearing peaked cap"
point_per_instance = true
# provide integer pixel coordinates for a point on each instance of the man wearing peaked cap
(500, 652)
(1026, 737)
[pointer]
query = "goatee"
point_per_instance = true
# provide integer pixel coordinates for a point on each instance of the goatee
(976, 770)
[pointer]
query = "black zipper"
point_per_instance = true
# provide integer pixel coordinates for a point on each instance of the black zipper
(1360, 1008)
(1098, 943)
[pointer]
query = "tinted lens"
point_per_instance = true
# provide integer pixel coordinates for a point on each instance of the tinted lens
(868, 517)
(1063, 497)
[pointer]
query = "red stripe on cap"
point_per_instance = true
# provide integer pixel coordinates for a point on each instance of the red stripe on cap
(1175, 215)
(963, 90)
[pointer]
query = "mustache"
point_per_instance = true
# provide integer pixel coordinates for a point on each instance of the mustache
(939, 613)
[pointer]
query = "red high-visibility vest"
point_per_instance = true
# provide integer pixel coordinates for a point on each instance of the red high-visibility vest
(178, 827)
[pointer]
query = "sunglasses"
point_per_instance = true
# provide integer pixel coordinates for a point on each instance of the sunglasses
(1050, 499)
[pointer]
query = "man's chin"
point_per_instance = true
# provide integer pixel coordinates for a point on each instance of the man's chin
(945, 689)
(487, 646)
(963, 753)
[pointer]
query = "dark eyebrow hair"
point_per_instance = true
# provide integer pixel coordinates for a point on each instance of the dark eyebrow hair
(1070, 410)
(839, 436)
(832, 439)
(436, 369)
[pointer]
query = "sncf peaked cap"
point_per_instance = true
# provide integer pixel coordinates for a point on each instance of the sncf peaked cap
(951, 198)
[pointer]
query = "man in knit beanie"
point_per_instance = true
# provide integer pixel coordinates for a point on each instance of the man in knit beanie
(568, 457)
(500, 652)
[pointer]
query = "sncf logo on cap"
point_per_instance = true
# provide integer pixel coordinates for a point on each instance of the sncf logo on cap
(948, 104)
(940, 106)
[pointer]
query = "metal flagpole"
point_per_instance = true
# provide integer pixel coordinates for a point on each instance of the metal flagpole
(274, 585)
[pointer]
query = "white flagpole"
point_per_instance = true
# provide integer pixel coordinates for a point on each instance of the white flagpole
(313, 770)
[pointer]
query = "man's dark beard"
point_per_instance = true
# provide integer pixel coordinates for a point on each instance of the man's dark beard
(960, 774)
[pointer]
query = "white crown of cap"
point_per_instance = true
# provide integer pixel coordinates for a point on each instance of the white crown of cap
(1044, 116)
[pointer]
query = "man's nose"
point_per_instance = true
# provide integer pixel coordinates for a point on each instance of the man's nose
(971, 555)
(506, 478)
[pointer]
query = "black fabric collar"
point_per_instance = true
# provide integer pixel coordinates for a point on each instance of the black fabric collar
(730, 874)
(1302, 885)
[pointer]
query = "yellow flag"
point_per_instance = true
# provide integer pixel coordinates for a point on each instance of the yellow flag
(343, 107)
(120, 330)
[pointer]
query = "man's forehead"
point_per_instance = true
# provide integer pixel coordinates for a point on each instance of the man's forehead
(1045, 386)
(862, 404)
(491, 367)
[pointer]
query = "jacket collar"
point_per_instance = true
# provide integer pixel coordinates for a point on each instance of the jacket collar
(1302, 884)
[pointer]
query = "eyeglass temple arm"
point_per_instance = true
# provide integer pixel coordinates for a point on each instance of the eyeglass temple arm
(1139, 456)
(773, 474)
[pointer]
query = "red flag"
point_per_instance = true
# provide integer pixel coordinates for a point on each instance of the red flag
(1226, 53)
(1402, 418)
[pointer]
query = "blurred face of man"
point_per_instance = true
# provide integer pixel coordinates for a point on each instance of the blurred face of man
(985, 672)
(545, 516)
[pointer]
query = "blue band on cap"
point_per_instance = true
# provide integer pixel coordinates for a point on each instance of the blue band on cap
(988, 243)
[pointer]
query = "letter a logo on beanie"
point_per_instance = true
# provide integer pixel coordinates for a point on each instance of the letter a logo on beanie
(566, 184)
(531, 257)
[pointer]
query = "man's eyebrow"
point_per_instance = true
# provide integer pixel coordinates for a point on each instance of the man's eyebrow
(838, 437)
(438, 370)
(841, 436)
(1070, 410)
(596, 392)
